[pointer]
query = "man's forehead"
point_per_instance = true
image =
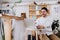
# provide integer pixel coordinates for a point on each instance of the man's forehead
(43, 10)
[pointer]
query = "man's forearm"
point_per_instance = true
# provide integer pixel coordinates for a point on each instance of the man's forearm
(40, 27)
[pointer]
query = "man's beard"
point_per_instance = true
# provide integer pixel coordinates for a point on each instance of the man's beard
(44, 15)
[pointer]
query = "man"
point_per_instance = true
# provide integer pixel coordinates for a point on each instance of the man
(44, 23)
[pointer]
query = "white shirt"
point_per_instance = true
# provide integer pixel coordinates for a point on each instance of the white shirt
(46, 22)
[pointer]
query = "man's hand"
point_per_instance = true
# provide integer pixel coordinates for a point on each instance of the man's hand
(40, 27)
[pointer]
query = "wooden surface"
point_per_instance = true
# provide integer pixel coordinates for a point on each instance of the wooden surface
(11, 17)
(7, 24)
(54, 37)
(7, 28)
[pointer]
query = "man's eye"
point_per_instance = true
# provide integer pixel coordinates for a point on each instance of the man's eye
(43, 11)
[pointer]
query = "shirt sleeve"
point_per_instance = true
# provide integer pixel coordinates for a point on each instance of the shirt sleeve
(39, 21)
(36, 22)
(49, 22)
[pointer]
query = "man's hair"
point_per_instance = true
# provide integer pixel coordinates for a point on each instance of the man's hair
(44, 9)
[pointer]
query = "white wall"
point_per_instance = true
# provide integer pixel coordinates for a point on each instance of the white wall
(26, 0)
(0, 34)
(0, 6)
(0, 31)
(55, 13)
(20, 9)
(9, 0)
(19, 29)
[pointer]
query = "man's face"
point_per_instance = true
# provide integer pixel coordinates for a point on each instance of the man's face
(44, 12)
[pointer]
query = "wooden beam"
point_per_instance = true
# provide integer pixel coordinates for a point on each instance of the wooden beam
(7, 24)
(11, 17)
(7, 28)
(4, 2)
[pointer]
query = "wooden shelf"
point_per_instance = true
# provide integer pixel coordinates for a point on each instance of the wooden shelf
(32, 14)
(32, 10)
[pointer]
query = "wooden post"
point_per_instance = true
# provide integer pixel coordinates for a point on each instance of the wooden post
(7, 25)
(36, 35)
(7, 28)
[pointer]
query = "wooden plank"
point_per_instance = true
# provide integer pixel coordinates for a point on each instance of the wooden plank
(44, 37)
(54, 37)
(11, 17)
(7, 24)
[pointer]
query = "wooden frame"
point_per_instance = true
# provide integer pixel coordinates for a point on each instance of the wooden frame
(7, 24)
(33, 33)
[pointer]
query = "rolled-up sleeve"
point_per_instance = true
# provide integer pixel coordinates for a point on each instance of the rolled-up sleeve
(36, 22)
